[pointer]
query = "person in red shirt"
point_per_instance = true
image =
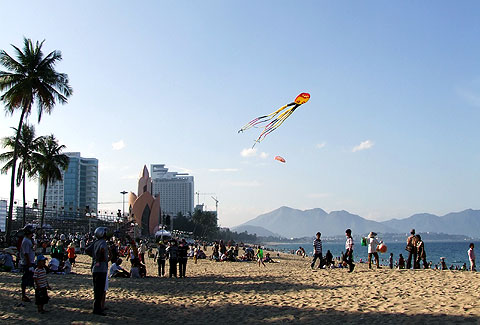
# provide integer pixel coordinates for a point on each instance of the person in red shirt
(71, 254)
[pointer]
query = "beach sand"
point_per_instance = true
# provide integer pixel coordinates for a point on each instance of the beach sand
(288, 292)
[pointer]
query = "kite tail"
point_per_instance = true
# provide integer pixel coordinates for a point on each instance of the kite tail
(272, 126)
(263, 119)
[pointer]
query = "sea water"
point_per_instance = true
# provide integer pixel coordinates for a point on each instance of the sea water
(454, 252)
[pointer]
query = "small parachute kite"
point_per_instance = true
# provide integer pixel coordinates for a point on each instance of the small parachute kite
(276, 118)
(281, 159)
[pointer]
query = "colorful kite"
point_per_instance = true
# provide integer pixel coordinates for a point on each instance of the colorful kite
(276, 118)
(281, 159)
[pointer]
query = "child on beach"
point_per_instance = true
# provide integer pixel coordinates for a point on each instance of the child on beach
(71, 254)
(260, 256)
(401, 262)
(41, 284)
(471, 257)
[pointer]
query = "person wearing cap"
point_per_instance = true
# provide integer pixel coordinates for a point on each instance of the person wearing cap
(41, 284)
(372, 250)
(99, 269)
(27, 260)
(411, 249)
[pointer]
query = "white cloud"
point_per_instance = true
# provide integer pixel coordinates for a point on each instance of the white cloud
(249, 152)
(263, 155)
(253, 152)
(119, 145)
(363, 146)
(215, 170)
(247, 184)
(321, 145)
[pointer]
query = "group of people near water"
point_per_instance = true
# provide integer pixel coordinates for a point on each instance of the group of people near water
(415, 248)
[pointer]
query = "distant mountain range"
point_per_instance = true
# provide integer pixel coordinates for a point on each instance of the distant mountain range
(289, 222)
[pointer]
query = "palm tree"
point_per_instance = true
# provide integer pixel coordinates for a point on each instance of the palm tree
(31, 78)
(50, 161)
(27, 145)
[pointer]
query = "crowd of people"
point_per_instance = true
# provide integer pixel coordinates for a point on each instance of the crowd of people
(105, 247)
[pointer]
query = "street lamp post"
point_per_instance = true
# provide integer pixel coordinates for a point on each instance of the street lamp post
(123, 202)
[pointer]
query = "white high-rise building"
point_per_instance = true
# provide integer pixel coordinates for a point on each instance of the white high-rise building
(78, 188)
(176, 190)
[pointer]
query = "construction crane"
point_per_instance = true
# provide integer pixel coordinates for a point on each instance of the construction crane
(216, 205)
(198, 196)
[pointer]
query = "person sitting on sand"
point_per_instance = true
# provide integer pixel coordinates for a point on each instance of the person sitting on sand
(464, 267)
(401, 262)
(443, 264)
(328, 258)
(268, 259)
(116, 271)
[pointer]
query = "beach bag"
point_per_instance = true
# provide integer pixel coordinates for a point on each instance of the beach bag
(364, 241)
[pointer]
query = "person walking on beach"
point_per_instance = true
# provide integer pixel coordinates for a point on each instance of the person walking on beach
(421, 255)
(372, 250)
(471, 257)
(27, 260)
(349, 250)
(260, 255)
(317, 251)
(160, 257)
(411, 249)
(99, 269)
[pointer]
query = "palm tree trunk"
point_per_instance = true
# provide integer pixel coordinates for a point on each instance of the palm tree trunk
(24, 204)
(12, 185)
(43, 207)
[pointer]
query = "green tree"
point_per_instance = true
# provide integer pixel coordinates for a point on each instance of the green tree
(27, 145)
(30, 78)
(50, 161)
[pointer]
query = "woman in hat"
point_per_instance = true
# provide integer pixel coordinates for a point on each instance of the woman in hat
(372, 250)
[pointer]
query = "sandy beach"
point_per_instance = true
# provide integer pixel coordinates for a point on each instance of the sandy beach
(235, 293)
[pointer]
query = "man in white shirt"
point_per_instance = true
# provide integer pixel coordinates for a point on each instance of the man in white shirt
(349, 250)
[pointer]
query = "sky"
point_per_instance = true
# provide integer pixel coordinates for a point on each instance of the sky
(391, 128)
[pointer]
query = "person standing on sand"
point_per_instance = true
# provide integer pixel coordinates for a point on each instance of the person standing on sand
(260, 255)
(471, 257)
(27, 260)
(401, 262)
(317, 251)
(390, 261)
(411, 249)
(421, 255)
(99, 269)
(372, 250)
(349, 250)
(160, 257)
(182, 258)
(172, 253)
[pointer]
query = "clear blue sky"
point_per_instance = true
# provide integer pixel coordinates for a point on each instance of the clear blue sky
(173, 81)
